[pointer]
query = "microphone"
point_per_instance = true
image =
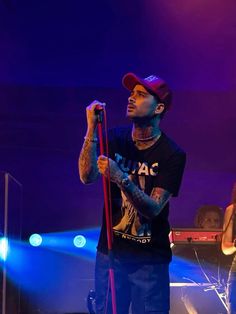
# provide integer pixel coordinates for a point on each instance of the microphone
(98, 112)
(98, 107)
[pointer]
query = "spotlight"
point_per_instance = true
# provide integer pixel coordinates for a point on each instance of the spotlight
(3, 248)
(79, 241)
(35, 239)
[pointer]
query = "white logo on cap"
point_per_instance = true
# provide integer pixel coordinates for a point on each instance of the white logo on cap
(151, 78)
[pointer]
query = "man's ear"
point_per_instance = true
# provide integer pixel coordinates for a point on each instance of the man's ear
(159, 108)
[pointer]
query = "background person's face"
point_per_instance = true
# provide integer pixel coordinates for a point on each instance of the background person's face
(211, 220)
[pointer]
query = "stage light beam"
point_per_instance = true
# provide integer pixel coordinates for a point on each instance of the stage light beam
(3, 248)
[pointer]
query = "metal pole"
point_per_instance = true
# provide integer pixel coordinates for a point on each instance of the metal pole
(5, 235)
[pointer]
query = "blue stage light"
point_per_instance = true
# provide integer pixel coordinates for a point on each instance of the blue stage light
(3, 248)
(35, 239)
(79, 241)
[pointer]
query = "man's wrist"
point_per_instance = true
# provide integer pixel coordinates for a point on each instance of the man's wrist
(91, 136)
(91, 139)
(123, 181)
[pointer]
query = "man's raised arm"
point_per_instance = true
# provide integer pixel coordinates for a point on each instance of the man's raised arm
(87, 162)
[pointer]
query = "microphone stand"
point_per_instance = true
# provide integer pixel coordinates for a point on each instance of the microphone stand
(108, 212)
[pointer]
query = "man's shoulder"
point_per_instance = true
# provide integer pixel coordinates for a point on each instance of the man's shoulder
(171, 145)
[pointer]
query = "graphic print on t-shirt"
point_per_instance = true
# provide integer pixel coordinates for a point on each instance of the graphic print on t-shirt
(132, 225)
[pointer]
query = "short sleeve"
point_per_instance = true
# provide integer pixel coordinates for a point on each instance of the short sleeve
(171, 174)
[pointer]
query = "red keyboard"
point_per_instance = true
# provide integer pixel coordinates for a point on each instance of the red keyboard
(197, 236)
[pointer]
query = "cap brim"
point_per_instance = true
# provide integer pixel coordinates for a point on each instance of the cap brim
(130, 80)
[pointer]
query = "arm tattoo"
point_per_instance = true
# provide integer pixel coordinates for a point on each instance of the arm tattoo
(161, 196)
(148, 206)
(87, 163)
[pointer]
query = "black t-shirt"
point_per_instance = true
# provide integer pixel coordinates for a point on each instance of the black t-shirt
(136, 238)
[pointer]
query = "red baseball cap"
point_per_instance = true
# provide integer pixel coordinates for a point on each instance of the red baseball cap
(154, 85)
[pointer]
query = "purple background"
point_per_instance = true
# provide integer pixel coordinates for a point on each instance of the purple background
(58, 56)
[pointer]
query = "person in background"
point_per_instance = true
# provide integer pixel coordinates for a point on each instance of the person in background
(209, 217)
(196, 301)
(228, 246)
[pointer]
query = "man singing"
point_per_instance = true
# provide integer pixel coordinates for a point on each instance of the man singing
(146, 169)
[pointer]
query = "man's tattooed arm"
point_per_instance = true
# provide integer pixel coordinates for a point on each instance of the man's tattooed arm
(87, 163)
(148, 206)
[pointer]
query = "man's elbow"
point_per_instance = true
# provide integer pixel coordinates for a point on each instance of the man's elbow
(158, 209)
(225, 250)
(85, 179)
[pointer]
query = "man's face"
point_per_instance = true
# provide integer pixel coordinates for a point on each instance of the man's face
(211, 220)
(141, 104)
